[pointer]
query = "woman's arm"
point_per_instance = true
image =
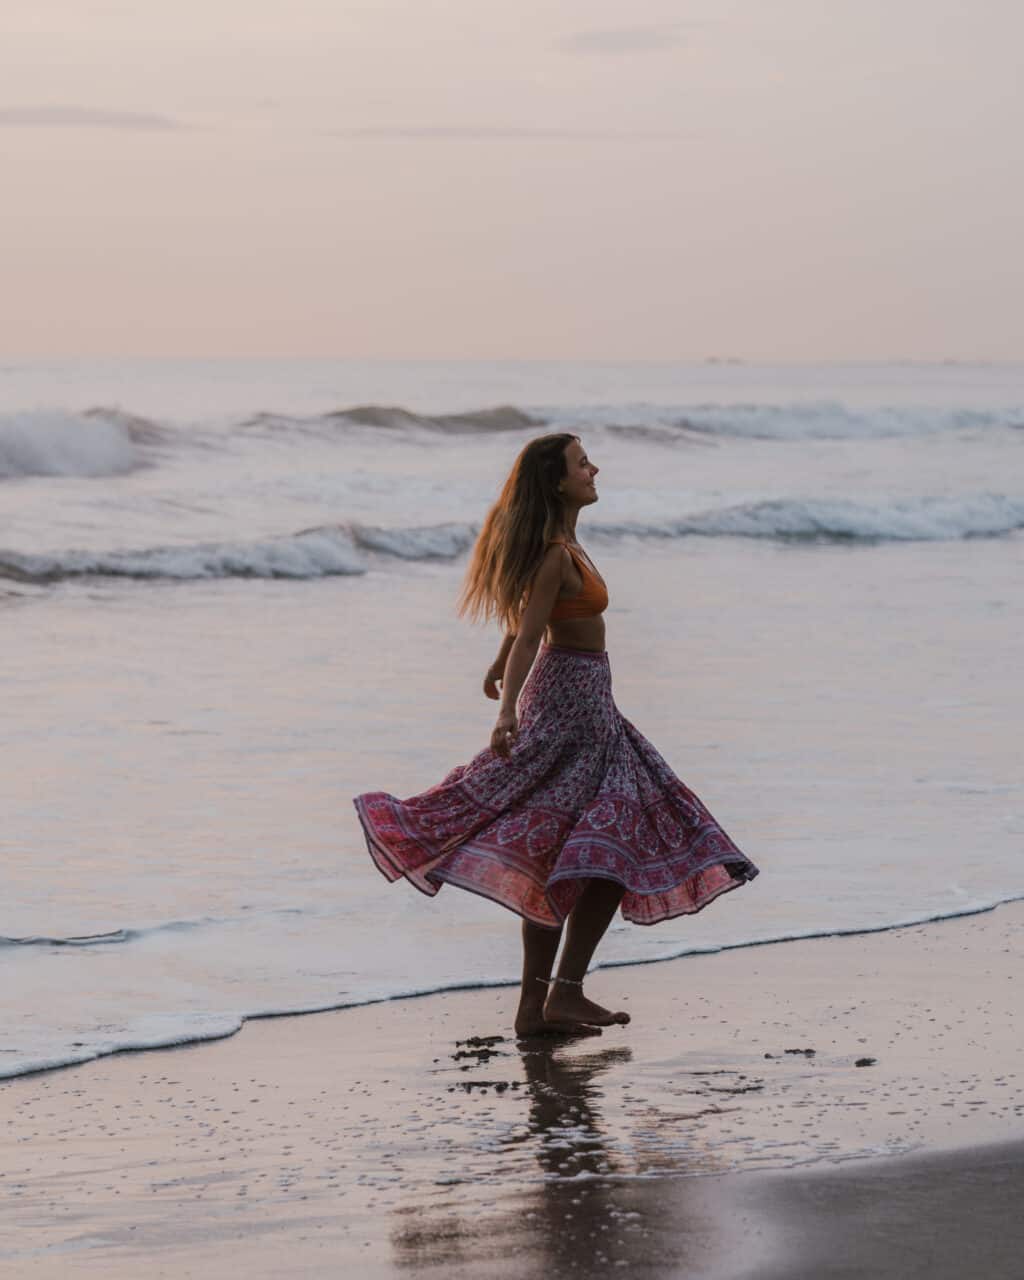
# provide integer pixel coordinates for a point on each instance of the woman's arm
(540, 602)
(496, 671)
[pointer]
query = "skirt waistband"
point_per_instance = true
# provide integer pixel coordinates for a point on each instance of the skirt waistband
(601, 655)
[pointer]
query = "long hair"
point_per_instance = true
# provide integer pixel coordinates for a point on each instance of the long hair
(510, 546)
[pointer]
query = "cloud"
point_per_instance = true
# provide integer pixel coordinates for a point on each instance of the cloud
(648, 39)
(499, 134)
(84, 118)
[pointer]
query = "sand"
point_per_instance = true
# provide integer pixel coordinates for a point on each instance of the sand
(727, 1132)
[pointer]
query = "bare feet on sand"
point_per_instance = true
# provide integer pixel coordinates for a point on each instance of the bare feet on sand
(535, 1024)
(565, 1011)
(566, 1003)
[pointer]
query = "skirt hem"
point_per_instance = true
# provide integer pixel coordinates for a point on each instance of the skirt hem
(382, 857)
(428, 878)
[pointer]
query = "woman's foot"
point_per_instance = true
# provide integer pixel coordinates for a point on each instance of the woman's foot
(567, 1003)
(532, 1020)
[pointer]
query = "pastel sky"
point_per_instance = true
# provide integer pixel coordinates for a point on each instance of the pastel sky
(766, 179)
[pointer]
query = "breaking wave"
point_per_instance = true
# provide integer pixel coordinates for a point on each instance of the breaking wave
(315, 553)
(54, 442)
(329, 551)
(832, 420)
(395, 418)
(816, 420)
(430, 542)
(343, 550)
(918, 519)
(106, 441)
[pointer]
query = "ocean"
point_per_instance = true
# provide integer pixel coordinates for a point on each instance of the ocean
(228, 589)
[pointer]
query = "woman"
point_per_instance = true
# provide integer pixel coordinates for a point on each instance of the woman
(570, 812)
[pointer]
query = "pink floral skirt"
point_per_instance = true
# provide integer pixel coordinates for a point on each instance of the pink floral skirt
(583, 794)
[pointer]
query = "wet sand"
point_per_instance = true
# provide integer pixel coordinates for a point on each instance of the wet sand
(727, 1132)
(939, 1216)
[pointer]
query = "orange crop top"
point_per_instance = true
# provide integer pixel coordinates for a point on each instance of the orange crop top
(592, 600)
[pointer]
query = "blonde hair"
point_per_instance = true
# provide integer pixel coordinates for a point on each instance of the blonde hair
(515, 533)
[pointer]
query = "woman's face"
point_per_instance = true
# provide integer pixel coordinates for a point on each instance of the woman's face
(577, 486)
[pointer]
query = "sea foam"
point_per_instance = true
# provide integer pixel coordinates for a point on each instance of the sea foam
(800, 420)
(343, 550)
(314, 553)
(890, 519)
(833, 420)
(167, 1029)
(53, 442)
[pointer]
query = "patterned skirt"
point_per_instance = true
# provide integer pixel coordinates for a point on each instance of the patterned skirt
(582, 794)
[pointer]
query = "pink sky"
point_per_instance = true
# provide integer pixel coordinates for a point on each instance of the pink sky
(549, 179)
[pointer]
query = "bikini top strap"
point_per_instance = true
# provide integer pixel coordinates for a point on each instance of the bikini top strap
(561, 542)
(580, 559)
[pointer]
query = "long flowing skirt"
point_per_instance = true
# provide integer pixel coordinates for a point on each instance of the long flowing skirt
(582, 794)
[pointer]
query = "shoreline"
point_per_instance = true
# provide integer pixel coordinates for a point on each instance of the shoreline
(416, 1133)
(505, 984)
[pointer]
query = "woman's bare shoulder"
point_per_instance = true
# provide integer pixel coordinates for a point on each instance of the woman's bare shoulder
(556, 554)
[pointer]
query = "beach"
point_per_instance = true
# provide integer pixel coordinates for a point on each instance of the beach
(726, 1132)
(228, 594)
(324, 323)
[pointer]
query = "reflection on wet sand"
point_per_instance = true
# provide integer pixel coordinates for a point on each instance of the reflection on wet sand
(573, 1213)
(564, 1122)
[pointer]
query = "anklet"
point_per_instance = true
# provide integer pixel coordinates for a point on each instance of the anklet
(566, 982)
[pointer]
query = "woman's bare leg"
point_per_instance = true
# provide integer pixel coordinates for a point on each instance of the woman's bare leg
(587, 925)
(540, 947)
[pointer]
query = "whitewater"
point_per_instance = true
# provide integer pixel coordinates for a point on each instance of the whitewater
(228, 593)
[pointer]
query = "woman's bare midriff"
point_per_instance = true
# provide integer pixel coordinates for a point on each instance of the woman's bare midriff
(577, 633)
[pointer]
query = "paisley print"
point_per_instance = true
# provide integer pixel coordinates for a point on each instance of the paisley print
(581, 794)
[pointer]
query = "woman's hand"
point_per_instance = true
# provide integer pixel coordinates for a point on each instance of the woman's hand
(491, 682)
(505, 732)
